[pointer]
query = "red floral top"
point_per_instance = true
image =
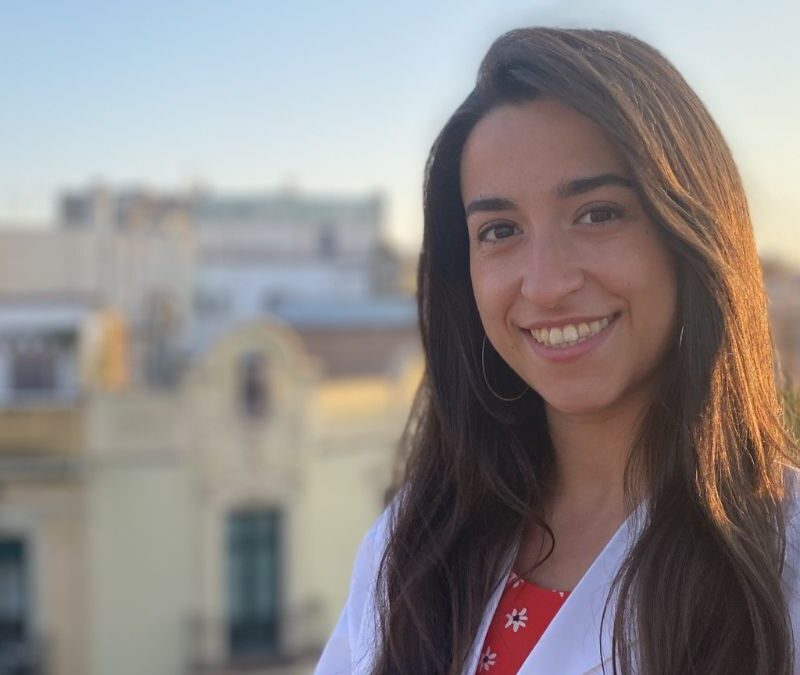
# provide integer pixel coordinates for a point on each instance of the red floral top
(523, 613)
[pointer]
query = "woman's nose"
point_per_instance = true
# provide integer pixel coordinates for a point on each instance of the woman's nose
(551, 271)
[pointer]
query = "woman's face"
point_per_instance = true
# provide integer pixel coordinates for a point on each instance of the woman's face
(575, 289)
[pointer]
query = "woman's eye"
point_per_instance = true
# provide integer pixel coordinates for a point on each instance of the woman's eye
(599, 215)
(496, 232)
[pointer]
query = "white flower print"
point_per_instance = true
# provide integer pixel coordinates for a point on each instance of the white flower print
(517, 619)
(487, 660)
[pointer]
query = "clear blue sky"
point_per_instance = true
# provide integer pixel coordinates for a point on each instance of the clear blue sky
(343, 96)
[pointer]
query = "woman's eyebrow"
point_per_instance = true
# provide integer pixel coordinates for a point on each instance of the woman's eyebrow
(489, 204)
(583, 185)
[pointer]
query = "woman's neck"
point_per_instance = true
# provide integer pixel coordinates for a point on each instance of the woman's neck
(583, 501)
(590, 453)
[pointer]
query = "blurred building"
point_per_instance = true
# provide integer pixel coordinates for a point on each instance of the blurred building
(181, 268)
(193, 393)
(144, 275)
(257, 253)
(190, 529)
(44, 575)
(102, 206)
(295, 437)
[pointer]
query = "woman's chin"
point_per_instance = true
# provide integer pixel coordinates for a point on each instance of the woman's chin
(578, 405)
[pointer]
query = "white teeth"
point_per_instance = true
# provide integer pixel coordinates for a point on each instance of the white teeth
(568, 335)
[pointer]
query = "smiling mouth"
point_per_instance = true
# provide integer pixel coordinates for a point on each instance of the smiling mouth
(570, 335)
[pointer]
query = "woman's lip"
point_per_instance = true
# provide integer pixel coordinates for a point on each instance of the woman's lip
(565, 354)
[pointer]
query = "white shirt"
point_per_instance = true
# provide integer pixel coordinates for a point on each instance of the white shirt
(569, 645)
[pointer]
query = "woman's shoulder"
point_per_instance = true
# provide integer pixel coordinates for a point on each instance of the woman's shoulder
(373, 544)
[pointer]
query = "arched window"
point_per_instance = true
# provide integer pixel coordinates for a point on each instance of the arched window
(253, 385)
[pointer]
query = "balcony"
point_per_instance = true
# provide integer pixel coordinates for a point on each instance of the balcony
(51, 431)
(289, 647)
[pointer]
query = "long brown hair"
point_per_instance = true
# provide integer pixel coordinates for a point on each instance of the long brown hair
(700, 592)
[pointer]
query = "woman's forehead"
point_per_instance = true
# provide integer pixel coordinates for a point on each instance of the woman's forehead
(537, 143)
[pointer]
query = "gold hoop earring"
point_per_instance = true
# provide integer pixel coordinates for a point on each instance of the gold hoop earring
(486, 379)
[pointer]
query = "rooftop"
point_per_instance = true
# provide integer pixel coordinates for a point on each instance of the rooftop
(287, 207)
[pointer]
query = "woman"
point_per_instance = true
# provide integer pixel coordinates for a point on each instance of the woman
(599, 423)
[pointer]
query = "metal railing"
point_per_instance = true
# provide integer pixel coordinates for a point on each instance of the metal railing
(299, 637)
